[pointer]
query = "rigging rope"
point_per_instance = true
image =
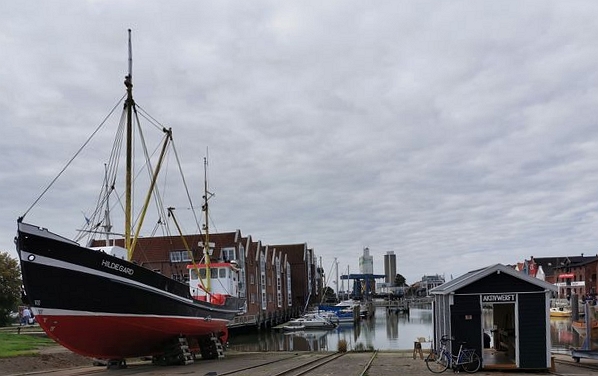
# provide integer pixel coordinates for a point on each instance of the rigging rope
(72, 159)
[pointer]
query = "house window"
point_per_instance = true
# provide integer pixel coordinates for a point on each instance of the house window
(175, 256)
(252, 300)
(251, 279)
(228, 254)
(185, 256)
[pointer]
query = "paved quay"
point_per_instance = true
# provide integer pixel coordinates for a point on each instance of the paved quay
(383, 364)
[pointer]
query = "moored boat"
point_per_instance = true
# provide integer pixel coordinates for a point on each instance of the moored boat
(98, 303)
(313, 321)
(293, 326)
(581, 329)
(560, 312)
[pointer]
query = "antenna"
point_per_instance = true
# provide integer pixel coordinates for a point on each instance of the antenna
(130, 58)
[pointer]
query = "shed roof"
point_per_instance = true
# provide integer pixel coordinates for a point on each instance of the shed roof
(475, 275)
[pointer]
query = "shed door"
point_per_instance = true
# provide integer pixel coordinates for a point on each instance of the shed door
(466, 322)
(533, 331)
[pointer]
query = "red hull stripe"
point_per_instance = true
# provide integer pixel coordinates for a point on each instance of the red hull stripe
(121, 336)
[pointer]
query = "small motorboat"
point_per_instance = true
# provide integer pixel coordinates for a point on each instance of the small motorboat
(313, 321)
(293, 326)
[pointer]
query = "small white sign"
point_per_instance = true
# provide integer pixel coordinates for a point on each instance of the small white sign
(573, 284)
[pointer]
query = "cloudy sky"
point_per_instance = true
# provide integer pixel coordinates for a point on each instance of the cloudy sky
(457, 134)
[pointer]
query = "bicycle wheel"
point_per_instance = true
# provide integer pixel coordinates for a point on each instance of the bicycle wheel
(474, 363)
(437, 362)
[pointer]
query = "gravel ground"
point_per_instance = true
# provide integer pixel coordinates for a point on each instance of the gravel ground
(50, 358)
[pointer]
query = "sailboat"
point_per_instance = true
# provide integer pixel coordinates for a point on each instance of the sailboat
(98, 303)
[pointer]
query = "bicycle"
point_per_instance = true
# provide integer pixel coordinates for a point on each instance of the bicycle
(440, 360)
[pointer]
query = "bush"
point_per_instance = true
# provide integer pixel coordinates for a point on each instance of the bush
(342, 346)
(10, 287)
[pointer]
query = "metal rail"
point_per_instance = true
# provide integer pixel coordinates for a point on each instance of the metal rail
(312, 365)
(369, 364)
(256, 366)
(297, 370)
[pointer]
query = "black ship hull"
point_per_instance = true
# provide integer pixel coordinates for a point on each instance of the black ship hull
(101, 306)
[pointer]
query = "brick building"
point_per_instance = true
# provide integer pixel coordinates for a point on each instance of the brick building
(572, 274)
(277, 281)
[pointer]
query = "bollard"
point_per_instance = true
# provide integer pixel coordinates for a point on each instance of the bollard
(417, 349)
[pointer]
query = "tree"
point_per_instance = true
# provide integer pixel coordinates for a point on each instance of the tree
(399, 280)
(328, 291)
(10, 286)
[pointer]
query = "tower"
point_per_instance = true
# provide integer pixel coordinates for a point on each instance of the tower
(390, 267)
(366, 262)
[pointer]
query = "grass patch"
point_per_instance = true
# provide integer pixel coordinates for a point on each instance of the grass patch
(22, 344)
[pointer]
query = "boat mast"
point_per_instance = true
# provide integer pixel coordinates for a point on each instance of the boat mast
(338, 295)
(129, 103)
(206, 245)
(107, 224)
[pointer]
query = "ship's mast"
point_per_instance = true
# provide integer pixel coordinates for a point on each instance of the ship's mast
(206, 246)
(129, 103)
(107, 224)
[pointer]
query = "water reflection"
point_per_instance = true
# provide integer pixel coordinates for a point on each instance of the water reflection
(562, 335)
(383, 332)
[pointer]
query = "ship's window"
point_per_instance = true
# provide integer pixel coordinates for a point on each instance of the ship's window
(222, 273)
(214, 273)
(193, 273)
(202, 273)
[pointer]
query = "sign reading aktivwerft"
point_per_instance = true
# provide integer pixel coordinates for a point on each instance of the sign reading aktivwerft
(499, 298)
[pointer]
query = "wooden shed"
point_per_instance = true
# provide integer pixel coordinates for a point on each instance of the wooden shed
(501, 313)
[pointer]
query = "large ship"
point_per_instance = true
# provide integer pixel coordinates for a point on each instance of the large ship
(98, 303)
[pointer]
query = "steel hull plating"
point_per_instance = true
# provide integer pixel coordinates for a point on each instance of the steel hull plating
(100, 306)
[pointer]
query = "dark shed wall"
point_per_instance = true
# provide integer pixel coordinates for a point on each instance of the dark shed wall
(532, 331)
(498, 283)
(464, 329)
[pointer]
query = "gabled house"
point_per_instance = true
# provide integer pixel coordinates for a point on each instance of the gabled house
(265, 272)
(302, 263)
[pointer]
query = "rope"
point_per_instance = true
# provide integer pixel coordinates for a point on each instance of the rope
(72, 159)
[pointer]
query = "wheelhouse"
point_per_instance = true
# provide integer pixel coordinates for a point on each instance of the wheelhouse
(223, 281)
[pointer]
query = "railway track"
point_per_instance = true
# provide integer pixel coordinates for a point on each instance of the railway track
(293, 366)
(297, 364)
(320, 365)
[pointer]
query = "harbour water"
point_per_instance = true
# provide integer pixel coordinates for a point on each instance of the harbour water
(382, 332)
